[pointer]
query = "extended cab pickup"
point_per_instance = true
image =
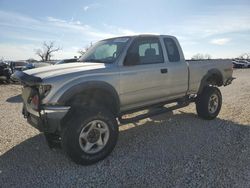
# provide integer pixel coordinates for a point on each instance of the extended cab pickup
(78, 105)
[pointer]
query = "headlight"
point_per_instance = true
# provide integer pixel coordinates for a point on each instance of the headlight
(44, 90)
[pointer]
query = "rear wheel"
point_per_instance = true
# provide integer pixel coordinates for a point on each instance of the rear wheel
(90, 135)
(208, 103)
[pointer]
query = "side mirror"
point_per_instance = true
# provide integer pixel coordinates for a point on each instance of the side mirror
(131, 59)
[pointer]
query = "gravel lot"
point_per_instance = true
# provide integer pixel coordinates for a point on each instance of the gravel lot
(171, 150)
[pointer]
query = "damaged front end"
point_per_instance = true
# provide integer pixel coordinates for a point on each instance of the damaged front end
(45, 118)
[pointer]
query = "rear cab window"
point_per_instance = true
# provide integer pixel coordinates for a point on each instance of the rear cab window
(172, 50)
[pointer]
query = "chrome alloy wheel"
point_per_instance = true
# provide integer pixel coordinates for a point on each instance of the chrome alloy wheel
(94, 136)
(213, 103)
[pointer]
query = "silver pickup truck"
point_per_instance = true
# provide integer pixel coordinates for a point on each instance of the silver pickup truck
(78, 106)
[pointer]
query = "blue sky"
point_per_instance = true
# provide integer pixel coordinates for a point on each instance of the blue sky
(220, 28)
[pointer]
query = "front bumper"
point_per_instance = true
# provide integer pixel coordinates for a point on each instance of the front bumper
(49, 118)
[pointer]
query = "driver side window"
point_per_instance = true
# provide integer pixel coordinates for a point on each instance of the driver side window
(144, 50)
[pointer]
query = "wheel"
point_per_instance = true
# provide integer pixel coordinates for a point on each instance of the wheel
(208, 103)
(53, 140)
(90, 135)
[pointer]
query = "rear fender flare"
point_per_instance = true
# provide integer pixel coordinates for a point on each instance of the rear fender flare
(204, 80)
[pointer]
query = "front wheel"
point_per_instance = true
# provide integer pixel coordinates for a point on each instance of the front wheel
(90, 135)
(208, 103)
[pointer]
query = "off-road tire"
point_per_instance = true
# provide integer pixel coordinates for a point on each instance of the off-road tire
(202, 103)
(80, 117)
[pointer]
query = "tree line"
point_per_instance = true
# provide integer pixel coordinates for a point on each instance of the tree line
(49, 48)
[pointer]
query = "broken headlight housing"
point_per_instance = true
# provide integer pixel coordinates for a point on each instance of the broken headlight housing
(44, 90)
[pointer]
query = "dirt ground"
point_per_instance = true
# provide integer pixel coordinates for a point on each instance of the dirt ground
(170, 150)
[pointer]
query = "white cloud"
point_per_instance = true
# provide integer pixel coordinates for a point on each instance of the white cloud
(85, 8)
(90, 6)
(16, 17)
(17, 51)
(213, 26)
(220, 41)
(27, 34)
(215, 21)
(52, 26)
(52, 19)
(118, 30)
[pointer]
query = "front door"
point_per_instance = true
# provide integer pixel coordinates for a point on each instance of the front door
(143, 74)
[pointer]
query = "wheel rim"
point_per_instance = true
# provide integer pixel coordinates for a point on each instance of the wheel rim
(94, 136)
(213, 103)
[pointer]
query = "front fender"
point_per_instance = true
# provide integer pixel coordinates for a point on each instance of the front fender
(79, 88)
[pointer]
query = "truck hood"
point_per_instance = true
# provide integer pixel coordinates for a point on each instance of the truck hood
(62, 69)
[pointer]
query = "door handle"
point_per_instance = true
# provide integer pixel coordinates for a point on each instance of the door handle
(164, 71)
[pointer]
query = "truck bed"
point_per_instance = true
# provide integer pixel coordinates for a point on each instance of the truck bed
(199, 68)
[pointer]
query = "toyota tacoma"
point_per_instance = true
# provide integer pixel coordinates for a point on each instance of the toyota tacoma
(78, 106)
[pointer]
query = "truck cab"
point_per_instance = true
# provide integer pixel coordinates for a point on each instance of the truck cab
(153, 64)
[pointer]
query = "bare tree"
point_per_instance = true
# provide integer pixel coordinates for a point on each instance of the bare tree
(207, 56)
(81, 52)
(244, 56)
(197, 57)
(200, 56)
(48, 48)
(85, 49)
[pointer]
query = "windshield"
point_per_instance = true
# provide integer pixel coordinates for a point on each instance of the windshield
(105, 51)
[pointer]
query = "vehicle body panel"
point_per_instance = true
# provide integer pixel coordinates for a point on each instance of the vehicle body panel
(198, 69)
(136, 86)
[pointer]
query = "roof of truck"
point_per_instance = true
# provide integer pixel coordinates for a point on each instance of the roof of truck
(139, 35)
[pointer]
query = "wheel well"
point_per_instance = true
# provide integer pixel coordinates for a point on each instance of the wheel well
(95, 97)
(215, 79)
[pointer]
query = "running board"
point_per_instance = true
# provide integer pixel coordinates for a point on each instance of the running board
(154, 112)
